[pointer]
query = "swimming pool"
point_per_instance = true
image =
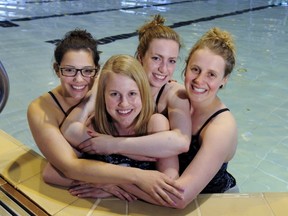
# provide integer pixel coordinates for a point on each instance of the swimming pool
(256, 92)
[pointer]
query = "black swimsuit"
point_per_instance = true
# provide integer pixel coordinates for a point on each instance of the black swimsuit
(57, 102)
(122, 160)
(114, 158)
(223, 180)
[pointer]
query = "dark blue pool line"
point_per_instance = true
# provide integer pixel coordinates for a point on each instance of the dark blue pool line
(10, 23)
(113, 38)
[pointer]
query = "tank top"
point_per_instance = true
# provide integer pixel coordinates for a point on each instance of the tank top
(223, 180)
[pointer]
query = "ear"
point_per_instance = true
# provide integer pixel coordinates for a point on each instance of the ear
(56, 69)
(139, 58)
(224, 81)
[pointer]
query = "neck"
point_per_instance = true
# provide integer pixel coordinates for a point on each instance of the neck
(206, 108)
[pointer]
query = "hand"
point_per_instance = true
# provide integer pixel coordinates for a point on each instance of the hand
(118, 192)
(88, 191)
(98, 144)
(158, 185)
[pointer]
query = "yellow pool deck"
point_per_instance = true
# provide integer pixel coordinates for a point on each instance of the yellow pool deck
(21, 167)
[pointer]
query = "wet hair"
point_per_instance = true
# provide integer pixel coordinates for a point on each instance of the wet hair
(219, 42)
(128, 66)
(76, 39)
(155, 29)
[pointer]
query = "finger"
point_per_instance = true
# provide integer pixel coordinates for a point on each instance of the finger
(85, 148)
(166, 199)
(127, 196)
(159, 199)
(172, 187)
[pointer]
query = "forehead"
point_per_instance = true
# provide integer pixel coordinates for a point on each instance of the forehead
(78, 58)
(120, 81)
(205, 58)
(164, 46)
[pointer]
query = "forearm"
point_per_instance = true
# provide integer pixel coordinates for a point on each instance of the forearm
(169, 166)
(100, 172)
(170, 142)
(132, 189)
(75, 133)
(74, 127)
(53, 176)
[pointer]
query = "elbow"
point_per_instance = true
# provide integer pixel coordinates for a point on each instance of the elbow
(47, 177)
(185, 145)
(181, 204)
(69, 173)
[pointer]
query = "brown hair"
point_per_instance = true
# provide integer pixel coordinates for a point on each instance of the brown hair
(219, 42)
(154, 29)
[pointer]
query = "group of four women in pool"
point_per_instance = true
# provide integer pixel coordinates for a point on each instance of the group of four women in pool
(130, 131)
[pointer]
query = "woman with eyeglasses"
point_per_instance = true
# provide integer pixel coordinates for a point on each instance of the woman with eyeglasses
(158, 52)
(76, 65)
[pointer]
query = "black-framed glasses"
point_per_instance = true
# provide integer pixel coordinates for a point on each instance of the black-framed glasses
(72, 71)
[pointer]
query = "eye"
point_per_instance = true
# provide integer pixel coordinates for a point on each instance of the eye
(195, 70)
(114, 94)
(88, 70)
(172, 61)
(69, 70)
(133, 93)
(212, 75)
(156, 58)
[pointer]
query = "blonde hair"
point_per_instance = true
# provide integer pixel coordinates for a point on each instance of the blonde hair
(128, 66)
(219, 42)
(154, 29)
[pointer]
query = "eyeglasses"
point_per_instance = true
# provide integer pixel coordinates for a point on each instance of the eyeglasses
(72, 71)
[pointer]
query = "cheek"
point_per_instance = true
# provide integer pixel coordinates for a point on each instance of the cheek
(188, 77)
(90, 82)
(138, 102)
(110, 104)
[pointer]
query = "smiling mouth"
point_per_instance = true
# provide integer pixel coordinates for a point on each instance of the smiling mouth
(160, 77)
(124, 112)
(198, 90)
(78, 87)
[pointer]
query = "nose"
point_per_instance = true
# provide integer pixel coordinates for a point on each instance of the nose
(199, 78)
(162, 67)
(78, 77)
(123, 102)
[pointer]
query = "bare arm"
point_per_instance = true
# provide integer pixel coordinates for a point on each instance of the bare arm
(218, 146)
(74, 128)
(172, 142)
(169, 165)
(48, 137)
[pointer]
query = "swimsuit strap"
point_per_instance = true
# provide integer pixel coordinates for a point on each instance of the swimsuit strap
(158, 97)
(211, 117)
(57, 102)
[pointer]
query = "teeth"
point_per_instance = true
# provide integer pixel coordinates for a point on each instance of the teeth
(200, 90)
(162, 77)
(124, 111)
(78, 87)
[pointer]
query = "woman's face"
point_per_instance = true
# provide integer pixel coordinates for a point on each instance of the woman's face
(159, 61)
(123, 100)
(77, 86)
(204, 75)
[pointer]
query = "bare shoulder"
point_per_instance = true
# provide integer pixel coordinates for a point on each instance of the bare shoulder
(158, 122)
(175, 89)
(222, 133)
(44, 107)
(157, 117)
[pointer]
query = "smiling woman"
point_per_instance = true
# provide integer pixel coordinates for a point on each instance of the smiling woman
(4, 87)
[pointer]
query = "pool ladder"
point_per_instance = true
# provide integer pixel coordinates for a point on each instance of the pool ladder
(4, 87)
